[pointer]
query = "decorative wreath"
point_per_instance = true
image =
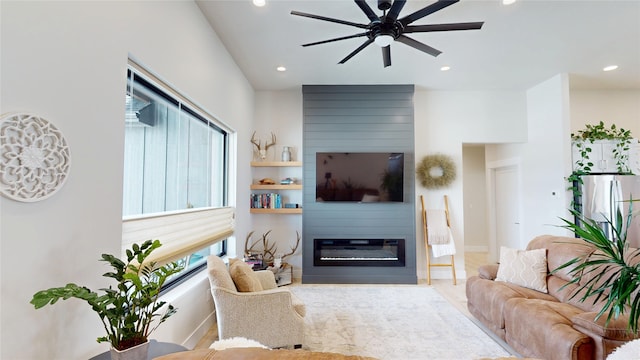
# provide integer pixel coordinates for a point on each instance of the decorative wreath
(436, 171)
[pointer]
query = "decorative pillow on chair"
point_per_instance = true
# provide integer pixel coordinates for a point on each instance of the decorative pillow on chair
(524, 268)
(243, 276)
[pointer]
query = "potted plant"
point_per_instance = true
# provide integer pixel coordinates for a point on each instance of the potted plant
(583, 140)
(131, 311)
(612, 272)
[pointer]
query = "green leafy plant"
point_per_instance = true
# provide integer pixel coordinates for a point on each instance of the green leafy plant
(131, 311)
(591, 133)
(583, 139)
(601, 132)
(612, 272)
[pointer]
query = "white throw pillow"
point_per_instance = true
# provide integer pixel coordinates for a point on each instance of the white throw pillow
(524, 268)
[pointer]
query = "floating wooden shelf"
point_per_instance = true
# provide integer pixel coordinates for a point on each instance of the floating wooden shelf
(277, 211)
(281, 211)
(276, 187)
(276, 163)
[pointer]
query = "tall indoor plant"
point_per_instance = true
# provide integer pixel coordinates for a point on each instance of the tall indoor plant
(612, 272)
(131, 311)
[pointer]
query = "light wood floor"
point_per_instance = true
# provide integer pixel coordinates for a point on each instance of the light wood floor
(455, 294)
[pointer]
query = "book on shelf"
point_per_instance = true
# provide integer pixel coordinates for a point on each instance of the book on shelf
(266, 201)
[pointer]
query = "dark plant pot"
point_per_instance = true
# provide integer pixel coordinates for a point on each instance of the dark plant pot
(138, 352)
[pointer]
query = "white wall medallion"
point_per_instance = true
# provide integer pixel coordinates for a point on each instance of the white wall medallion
(34, 157)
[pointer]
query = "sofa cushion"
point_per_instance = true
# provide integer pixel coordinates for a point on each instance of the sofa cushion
(243, 276)
(219, 274)
(543, 329)
(524, 268)
(489, 298)
(560, 250)
(488, 271)
(616, 329)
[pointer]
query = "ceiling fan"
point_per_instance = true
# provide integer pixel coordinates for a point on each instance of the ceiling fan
(385, 29)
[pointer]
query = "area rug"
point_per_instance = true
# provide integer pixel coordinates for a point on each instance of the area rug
(390, 322)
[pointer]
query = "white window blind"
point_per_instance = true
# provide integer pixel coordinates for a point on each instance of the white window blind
(181, 234)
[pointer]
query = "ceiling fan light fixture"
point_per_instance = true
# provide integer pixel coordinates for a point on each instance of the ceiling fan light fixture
(383, 40)
(390, 26)
(259, 3)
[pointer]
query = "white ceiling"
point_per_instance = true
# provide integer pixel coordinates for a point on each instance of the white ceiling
(519, 46)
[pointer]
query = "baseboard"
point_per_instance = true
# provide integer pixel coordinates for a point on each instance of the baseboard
(476, 248)
(200, 331)
(443, 273)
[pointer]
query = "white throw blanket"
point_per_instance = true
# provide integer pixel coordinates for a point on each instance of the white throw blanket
(439, 234)
(444, 249)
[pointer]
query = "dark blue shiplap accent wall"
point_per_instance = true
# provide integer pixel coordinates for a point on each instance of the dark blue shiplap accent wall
(358, 118)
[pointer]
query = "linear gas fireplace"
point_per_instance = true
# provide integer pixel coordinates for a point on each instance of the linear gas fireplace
(358, 252)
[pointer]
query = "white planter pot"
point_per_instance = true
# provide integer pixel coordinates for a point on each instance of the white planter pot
(138, 352)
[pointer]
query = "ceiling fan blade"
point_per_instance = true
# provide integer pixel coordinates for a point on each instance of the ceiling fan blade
(386, 55)
(441, 4)
(336, 39)
(443, 27)
(318, 17)
(418, 45)
(367, 10)
(354, 52)
(397, 6)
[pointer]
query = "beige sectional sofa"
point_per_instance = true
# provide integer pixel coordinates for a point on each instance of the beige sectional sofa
(549, 325)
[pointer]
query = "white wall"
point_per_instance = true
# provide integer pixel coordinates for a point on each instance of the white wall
(544, 159)
(553, 113)
(475, 198)
(279, 112)
(444, 121)
(621, 107)
(66, 61)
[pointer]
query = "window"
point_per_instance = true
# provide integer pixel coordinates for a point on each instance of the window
(175, 163)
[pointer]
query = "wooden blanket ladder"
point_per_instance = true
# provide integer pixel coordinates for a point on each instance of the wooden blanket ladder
(426, 241)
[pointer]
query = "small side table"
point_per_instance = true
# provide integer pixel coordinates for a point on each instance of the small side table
(155, 349)
(284, 276)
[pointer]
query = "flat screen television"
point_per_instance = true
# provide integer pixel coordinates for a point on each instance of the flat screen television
(359, 177)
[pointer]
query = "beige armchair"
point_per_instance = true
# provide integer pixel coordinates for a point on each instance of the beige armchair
(273, 316)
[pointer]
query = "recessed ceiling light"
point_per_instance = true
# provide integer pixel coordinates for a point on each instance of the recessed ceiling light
(259, 2)
(445, 68)
(610, 68)
(508, 2)
(281, 68)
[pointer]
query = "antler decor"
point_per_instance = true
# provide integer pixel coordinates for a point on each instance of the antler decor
(293, 248)
(268, 250)
(263, 152)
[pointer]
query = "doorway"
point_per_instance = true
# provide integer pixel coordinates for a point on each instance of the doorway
(504, 206)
